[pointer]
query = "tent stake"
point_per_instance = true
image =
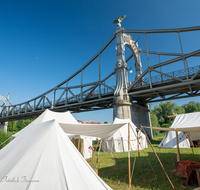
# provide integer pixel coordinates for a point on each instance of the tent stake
(177, 145)
(129, 161)
(158, 158)
(98, 154)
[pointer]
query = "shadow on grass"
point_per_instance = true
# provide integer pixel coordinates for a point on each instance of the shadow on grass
(147, 173)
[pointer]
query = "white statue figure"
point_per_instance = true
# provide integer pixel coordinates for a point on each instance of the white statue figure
(119, 20)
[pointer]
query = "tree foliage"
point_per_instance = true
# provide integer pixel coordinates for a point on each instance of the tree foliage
(192, 106)
(160, 113)
(179, 110)
(12, 127)
(3, 137)
(15, 126)
(163, 110)
(154, 119)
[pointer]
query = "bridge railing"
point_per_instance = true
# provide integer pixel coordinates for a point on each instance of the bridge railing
(178, 74)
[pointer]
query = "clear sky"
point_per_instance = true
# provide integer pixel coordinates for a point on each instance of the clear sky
(44, 42)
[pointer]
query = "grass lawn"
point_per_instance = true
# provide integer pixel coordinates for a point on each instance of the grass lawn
(147, 173)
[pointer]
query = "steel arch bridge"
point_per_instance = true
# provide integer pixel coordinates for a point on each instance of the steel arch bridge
(152, 85)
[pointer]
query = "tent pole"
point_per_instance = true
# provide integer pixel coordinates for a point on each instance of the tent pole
(137, 130)
(122, 143)
(114, 145)
(79, 142)
(98, 154)
(106, 146)
(94, 152)
(158, 158)
(82, 146)
(191, 142)
(177, 145)
(129, 161)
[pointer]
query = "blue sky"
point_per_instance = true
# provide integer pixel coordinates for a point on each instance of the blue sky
(44, 42)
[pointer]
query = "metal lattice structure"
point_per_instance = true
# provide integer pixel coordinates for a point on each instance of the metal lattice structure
(98, 95)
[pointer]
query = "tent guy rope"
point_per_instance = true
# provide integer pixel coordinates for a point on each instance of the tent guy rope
(158, 158)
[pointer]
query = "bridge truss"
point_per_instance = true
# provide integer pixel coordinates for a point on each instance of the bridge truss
(96, 95)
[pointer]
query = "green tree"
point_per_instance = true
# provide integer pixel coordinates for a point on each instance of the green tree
(12, 126)
(154, 119)
(192, 106)
(20, 125)
(105, 122)
(28, 121)
(179, 110)
(3, 137)
(163, 110)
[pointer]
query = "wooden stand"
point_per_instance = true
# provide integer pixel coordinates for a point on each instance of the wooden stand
(198, 176)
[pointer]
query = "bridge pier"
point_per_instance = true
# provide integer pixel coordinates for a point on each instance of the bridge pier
(140, 115)
(121, 109)
(3, 126)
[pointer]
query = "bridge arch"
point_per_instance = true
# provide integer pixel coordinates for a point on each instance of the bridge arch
(4, 100)
(133, 46)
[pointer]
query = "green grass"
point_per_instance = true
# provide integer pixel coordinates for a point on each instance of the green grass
(148, 173)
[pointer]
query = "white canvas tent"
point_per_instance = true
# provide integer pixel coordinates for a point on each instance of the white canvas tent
(85, 143)
(186, 125)
(169, 141)
(118, 142)
(43, 157)
(65, 117)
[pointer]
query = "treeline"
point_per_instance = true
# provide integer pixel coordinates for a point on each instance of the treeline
(160, 113)
(15, 126)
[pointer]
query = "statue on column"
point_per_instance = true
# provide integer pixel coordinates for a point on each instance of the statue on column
(121, 91)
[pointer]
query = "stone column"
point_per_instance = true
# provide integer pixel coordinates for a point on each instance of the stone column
(122, 110)
(140, 114)
(3, 126)
(121, 90)
(121, 107)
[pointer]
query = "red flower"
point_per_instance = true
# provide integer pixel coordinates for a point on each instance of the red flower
(91, 147)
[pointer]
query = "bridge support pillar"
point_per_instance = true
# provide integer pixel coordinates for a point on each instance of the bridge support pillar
(122, 109)
(140, 114)
(3, 126)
